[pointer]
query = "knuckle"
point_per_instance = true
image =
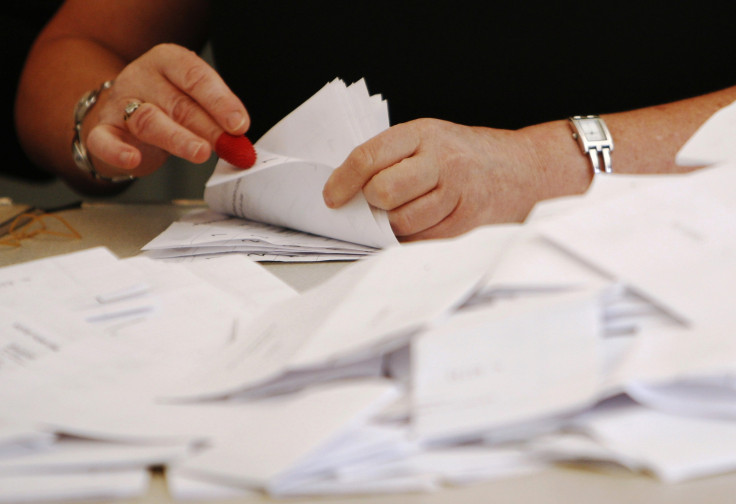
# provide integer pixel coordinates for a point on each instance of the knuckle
(175, 142)
(361, 160)
(383, 192)
(195, 77)
(426, 128)
(182, 109)
(142, 122)
(401, 223)
(166, 49)
(426, 123)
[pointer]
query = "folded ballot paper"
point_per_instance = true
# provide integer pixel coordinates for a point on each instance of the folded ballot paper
(275, 210)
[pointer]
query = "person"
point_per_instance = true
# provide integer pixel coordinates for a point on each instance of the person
(479, 95)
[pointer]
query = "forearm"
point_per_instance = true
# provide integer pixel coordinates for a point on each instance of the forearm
(46, 98)
(645, 141)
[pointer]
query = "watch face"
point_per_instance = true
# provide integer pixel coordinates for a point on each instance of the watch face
(592, 130)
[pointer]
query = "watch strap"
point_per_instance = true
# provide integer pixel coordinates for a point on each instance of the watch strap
(596, 148)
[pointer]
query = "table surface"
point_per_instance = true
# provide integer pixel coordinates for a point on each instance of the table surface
(125, 228)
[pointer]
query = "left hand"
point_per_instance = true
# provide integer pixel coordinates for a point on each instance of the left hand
(439, 179)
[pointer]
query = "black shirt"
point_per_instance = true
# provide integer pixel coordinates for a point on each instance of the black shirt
(20, 23)
(498, 64)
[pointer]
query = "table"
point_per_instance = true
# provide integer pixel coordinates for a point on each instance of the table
(125, 228)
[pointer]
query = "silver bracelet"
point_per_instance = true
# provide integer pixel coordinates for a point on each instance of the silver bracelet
(79, 151)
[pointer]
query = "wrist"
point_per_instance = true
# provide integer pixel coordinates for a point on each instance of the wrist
(564, 169)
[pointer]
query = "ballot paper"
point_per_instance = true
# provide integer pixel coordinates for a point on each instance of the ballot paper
(187, 488)
(78, 388)
(711, 396)
(61, 487)
(713, 142)
(279, 439)
(49, 303)
(673, 447)
(279, 200)
(682, 223)
(473, 374)
(206, 233)
(19, 437)
(446, 465)
(69, 455)
(367, 309)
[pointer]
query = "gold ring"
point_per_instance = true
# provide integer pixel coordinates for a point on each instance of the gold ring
(130, 108)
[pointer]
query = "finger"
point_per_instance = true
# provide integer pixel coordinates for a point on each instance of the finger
(401, 183)
(151, 125)
(109, 145)
(366, 160)
(450, 226)
(204, 85)
(422, 213)
(190, 114)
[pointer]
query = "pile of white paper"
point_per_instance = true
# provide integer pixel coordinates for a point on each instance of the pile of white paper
(279, 213)
(601, 329)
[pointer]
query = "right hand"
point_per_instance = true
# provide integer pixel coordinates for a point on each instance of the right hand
(185, 106)
(438, 179)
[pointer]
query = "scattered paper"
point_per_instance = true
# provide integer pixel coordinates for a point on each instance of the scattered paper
(472, 374)
(600, 329)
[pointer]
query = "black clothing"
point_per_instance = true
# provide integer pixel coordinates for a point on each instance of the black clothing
(20, 23)
(497, 64)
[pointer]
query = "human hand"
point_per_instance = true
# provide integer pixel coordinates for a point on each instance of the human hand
(440, 179)
(184, 107)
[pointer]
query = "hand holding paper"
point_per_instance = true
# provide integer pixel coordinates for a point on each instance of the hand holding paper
(295, 159)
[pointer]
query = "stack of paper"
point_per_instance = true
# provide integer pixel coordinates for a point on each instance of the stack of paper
(278, 202)
(206, 234)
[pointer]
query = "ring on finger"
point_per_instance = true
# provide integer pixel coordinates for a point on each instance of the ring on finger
(130, 109)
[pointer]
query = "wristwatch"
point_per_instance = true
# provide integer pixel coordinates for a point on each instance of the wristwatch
(79, 151)
(594, 139)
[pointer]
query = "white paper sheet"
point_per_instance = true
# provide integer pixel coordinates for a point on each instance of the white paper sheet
(673, 447)
(79, 390)
(20, 437)
(668, 240)
(184, 488)
(704, 396)
(277, 435)
(73, 487)
(517, 362)
(713, 142)
(69, 455)
(451, 465)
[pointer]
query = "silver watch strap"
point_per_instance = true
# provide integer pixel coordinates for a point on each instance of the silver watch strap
(605, 153)
(594, 139)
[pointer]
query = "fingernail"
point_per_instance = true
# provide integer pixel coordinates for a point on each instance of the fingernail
(194, 149)
(235, 121)
(126, 158)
